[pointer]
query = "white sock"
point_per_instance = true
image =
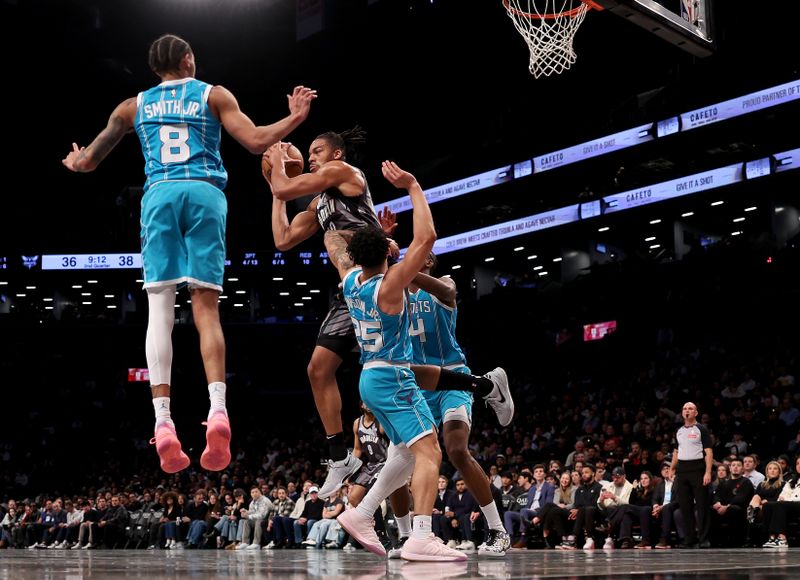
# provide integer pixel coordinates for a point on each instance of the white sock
(422, 527)
(493, 517)
(216, 393)
(398, 468)
(161, 405)
(404, 525)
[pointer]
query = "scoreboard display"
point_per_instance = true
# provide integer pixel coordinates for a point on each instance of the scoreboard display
(133, 261)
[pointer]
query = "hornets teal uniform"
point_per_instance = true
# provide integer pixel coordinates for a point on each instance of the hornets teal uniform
(433, 339)
(183, 208)
(387, 385)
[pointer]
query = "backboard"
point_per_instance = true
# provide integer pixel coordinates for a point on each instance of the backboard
(685, 23)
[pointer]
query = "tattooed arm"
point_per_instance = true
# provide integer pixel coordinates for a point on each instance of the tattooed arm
(86, 159)
(336, 244)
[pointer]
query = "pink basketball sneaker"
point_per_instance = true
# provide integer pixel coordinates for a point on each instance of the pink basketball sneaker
(173, 459)
(431, 549)
(217, 454)
(363, 530)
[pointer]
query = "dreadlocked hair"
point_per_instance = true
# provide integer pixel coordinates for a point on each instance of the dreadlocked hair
(166, 53)
(346, 139)
(368, 247)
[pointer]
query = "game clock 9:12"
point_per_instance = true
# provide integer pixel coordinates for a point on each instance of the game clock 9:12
(91, 261)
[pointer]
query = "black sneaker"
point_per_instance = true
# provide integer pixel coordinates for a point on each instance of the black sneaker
(395, 551)
(566, 545)
(497, 544)
(384, 539)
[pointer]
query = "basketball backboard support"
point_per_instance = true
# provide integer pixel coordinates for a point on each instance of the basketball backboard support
(685, 23)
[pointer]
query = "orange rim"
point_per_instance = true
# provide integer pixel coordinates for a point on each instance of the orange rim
(570, 13)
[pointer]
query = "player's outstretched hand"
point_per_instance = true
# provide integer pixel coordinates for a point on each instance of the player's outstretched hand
(388, 221)
(394, 249)
(300, 101)
(396, 176)
(72, 157)
(279, 151)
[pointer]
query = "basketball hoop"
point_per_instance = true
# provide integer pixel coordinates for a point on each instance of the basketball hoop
(548, 27)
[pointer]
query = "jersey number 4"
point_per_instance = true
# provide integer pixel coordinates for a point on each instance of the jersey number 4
(174, 147)
(417, 328)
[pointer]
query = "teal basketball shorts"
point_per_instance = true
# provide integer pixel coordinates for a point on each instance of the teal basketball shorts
(450, 405)
(183, 234)
(392, 394)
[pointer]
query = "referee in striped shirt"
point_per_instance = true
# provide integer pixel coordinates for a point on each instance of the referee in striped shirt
(692, 463)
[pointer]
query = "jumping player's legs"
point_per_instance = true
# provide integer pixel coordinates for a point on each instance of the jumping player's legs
(205, 218)
(335, 341)
(205, 310)
(183, 242)
(322, 374)
(158, 350)
(163, 255)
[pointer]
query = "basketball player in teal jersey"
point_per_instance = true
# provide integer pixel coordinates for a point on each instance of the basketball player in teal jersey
(375, 294)
(341, 205)
(433, 310)
(183, 220)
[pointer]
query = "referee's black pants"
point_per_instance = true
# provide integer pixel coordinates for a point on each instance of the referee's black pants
(693, 496)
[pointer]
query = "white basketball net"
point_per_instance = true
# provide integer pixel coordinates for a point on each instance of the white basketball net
(548, 27)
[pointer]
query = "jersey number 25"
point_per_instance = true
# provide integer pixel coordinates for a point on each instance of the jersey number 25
(369, 335)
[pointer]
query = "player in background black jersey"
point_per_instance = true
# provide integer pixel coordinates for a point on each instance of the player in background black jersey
(370, 447)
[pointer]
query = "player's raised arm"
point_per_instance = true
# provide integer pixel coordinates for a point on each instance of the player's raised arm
(400, 275)
(256, 138)
(85, 159)
(443, 288)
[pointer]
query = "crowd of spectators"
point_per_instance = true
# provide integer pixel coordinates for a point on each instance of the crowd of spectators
(584, 462)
